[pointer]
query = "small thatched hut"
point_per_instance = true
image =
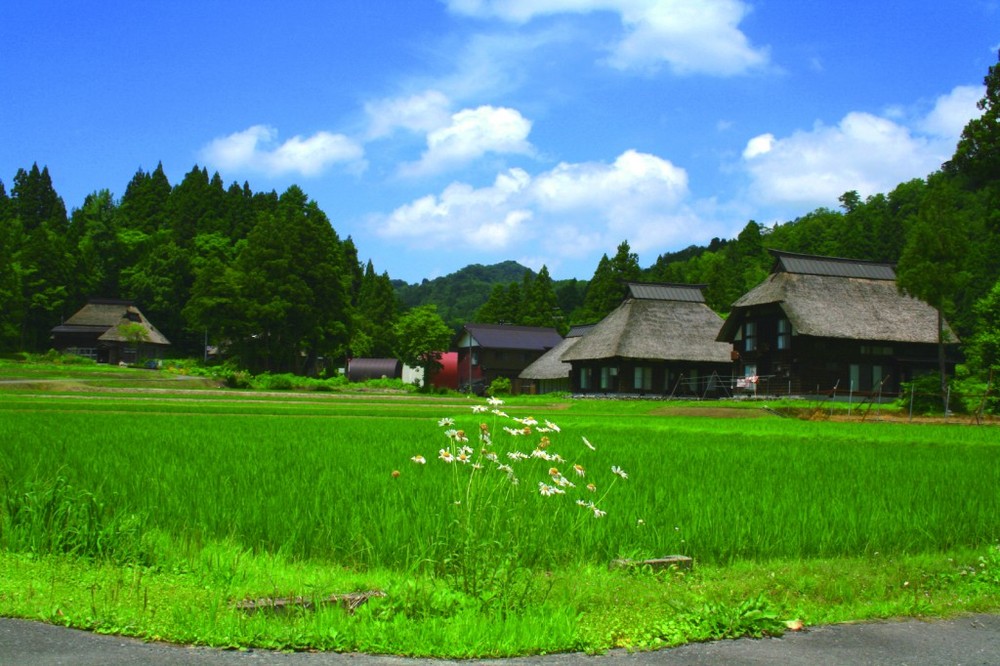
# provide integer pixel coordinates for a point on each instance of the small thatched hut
(550, 373)
(818, 322)
(660, 341)
(109, 331)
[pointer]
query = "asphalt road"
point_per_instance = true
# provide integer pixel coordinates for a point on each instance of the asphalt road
(966, 641)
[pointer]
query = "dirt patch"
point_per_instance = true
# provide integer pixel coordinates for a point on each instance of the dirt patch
(713, 412)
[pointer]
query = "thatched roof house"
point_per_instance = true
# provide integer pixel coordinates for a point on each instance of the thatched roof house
(550, 373)
(819, 322)
(109, 331)
(660, 340)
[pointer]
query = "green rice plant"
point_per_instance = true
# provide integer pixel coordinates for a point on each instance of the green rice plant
(52, 517)
(507, 472)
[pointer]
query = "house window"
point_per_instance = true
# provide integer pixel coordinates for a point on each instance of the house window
(643, 378)
(608, 376)
(694, 384)
(584, 378)
(750, 336)
(784, 334)
(475, 357)
(876, 376)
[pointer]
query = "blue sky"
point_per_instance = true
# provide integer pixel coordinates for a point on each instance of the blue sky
(439, 133)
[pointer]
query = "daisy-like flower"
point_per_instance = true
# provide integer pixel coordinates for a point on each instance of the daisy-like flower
(538, 453)
(563, 482)
(544, 443)
(591, 487)
(446, 422)
(478, 409)
(619, 471)
(496, 402)
(582, 503)
(512, 431)
(501, 414)
(489, 455)
(505, 468)
(420, 460)
(553, 471)
(476, 466)
(548, 491)
(526, 430)
(551, 426)
(589, 445)
(527, 421)
(555, 457)
(517, 455)
(446, 455)
(580, 471)
(598, 513)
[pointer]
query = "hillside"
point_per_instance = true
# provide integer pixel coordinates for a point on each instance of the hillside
(458, 295)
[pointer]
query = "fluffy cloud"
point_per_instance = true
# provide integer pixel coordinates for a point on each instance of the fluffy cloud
(570, 210)
(255, 149)
(421, 112)
(690, 36)
(863, 152)
(471, 134)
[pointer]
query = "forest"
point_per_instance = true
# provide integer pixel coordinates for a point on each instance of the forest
(267, 276)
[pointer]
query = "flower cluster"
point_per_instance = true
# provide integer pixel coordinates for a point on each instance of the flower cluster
(534, 456)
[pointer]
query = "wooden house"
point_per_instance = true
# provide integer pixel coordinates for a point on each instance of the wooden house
(660, 341)
(822, 324)
(489, 351)
(110, 331)
(549, 372)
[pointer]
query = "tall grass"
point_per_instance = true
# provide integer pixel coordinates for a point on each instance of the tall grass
(320, 485)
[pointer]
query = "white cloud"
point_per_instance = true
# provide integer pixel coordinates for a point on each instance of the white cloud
(255, 149)
(952, 112)
(471, 134)
(691, 36)
(863, 152)
(485, 218)
(422, 112)
(569, 211)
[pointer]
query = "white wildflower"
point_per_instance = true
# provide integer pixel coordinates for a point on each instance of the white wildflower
(589, 445)
(446, 422)
(619, 471)
(420, 460)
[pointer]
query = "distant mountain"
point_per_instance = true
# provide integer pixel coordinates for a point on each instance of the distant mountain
(460, 294)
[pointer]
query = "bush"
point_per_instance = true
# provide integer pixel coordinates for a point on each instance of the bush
(926, 396)
(499, 386)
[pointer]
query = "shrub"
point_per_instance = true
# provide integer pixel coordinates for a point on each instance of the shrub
(499, 386)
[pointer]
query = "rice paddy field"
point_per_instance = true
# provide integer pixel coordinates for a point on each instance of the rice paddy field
(113, 502)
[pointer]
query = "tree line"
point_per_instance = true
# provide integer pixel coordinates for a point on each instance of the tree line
(267, 275)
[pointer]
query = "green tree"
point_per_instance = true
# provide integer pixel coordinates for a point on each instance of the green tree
(984, 346)
(375, 315)
(421, 338)
(45, 258)
(11, 276)
(977, 157)
(292, 290)
(933, 264)
(541, 306)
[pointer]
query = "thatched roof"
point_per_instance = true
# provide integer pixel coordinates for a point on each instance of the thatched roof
(838, 298)
(657, 323)
(103, 317)
(549, 365)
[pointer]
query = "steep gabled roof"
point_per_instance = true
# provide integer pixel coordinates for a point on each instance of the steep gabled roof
(838, 298)
(502, 336)
(678, 326)
(104, 316)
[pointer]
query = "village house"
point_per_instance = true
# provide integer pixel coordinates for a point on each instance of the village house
(824, 324)
(660, 341)
(489, 351)
(109, 331)
(550, 373)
